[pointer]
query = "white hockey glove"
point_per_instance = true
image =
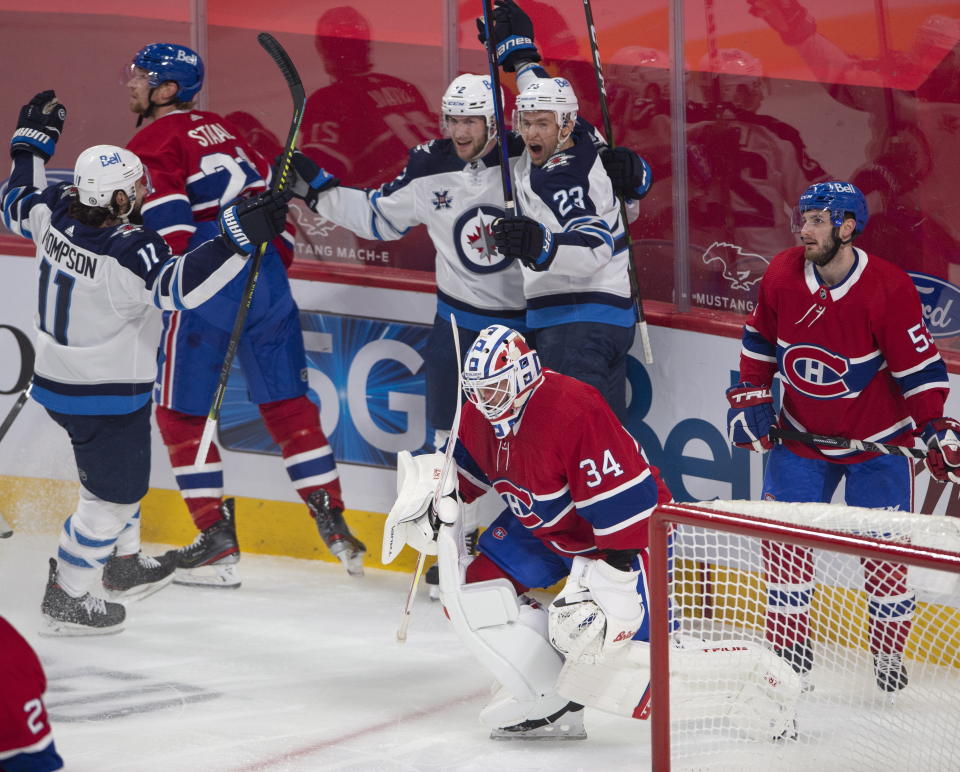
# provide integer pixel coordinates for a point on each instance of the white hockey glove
(597, 610)
(409, 520)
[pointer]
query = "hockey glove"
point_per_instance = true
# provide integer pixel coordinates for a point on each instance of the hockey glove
(254, 221)
(790, 19)
(39, 126)
(307, 179)
(512, 34)
(526, 240)
(597, 610)
(942, 436)
(629, 174)
(750, 416)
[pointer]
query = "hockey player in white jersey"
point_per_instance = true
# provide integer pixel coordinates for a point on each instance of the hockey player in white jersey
(102, 281)
(568, 233)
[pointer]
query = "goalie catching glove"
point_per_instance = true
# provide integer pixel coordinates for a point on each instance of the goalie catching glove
(411, 519)
(942, 437)
(598, 610)
(750, 417)
(39, 125)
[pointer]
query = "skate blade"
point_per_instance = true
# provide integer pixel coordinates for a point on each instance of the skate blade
(139, 592)
(56, 628)
(223, 575)
(551, 732)
(433, 592)
(352, 559)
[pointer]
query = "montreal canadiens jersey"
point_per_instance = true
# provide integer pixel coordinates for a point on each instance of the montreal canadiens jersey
(569, 472)
(100, 291)
(197, 164)
(26, 741)
(855, 359)
(458, 202)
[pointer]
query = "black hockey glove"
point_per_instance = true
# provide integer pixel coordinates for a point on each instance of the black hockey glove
(629, 173)
(307, 179)
(512, 34)
(39, 126)
(526, 240)
(254, 221)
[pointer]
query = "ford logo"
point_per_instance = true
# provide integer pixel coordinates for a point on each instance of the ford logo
(941, 304)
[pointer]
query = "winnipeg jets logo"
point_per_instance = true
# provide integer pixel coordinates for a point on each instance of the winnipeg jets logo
(741, 269)
(442, 199)
(311, 224)
(561, 159)
(473, 240)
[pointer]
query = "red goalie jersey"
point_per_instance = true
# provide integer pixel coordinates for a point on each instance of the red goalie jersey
(855, 359)
(576, 479)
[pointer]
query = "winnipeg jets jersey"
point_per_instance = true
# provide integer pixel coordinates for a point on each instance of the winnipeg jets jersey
(99, 295)
(569, 472)
(197, 164)
(458, 202)
(855, 359)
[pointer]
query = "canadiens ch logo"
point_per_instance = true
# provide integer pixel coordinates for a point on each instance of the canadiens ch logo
(561, 159)
(473, 240)
(816, 372)
(442, 199)
(519, 501)
(741, 270)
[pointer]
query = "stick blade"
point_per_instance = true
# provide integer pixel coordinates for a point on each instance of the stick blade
(272, 46)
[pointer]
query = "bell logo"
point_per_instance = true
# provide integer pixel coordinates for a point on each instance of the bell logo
(183, 56)
(110, 160)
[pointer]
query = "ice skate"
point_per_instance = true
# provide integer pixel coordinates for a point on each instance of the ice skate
(565, 724)
(64, 615)
(134, 577)
(335, 533)
(890, 671)
(211, 560)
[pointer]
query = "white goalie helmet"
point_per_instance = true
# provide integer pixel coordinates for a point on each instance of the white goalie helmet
(470, 95)
(553, 95)
(500, 373)
(102, 170)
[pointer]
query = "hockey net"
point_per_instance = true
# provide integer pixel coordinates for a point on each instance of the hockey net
(734, 585)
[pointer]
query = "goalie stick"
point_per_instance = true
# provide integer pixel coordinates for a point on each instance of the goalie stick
(608, 131)
(820, 440)
(282, 59)
(437, 493)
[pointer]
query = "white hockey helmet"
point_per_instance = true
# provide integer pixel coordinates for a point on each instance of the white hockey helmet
(102, 170)
(642, 69)
(500, 372)
(470, 95)
(553, 95)
(737, 71)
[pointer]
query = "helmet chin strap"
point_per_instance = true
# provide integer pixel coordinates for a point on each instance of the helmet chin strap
(837, 244)
(152, 106)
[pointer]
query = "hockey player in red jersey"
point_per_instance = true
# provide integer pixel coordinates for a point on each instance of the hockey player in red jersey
(198, 164)
(26, 740)
(844, 331)
(577, 490)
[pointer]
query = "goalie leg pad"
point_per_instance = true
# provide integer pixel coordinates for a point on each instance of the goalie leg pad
(618, 683)
(508, 638)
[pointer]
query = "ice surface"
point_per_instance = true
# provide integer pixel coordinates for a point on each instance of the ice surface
(297, 670)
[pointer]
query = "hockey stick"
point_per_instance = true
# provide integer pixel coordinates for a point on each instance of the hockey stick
(438, 491)
(608, 131)
(502, 147)
(290, 74)
(14, 412)
(779, 436)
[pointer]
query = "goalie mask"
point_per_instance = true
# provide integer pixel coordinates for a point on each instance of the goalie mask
(167, 61)
(841, 199)
(101, 171)
(470, 95)
(500, 374)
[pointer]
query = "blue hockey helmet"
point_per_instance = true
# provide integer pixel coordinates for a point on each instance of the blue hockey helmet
(169, 61)
(838, 198)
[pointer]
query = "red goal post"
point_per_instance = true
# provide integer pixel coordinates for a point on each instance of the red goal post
(717, 688)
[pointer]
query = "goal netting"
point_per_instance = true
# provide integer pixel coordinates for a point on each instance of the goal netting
(804, 637)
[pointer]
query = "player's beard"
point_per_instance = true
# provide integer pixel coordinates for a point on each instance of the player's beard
(822, 256)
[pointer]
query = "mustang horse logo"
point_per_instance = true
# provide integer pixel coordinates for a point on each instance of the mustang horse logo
(741, 269)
